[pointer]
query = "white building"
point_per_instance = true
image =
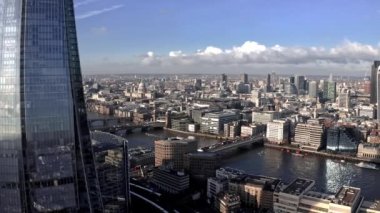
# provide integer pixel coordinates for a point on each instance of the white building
(309, 136)
(215, 186)
(278, 131)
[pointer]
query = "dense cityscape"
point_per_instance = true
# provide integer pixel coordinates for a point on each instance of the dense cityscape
(325, 116)
(239, 140)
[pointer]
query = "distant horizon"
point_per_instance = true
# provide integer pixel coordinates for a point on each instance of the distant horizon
(338, 36)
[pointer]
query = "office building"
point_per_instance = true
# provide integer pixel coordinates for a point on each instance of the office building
(278, 131)
(45, 145)
(202, 164)
(227, 203)
(171, 152)
(342, 139)
(215, 186)
(111, 162)
(290, 89)
(310, 136)
(369, 151)
(264, 117)
(374, 82)
(254, 191)
(244, 78)
(180, 124)
(232, 129)
(198, 84)
(300, 83)
(329, 90)
(288, 198)
(291, 79)
(256, 97)
(248, 131)
(344, 100)
(269, 86)
(213, 123)
(367, 111)
(224, 78)
(313, 89)
(170, 181)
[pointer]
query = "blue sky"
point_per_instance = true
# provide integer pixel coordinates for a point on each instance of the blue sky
(120, 36)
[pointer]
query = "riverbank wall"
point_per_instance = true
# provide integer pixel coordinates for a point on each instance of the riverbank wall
(320, 153)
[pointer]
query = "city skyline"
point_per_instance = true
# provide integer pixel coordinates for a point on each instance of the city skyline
(186, 37)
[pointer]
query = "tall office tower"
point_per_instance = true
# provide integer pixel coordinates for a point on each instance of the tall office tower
(291, 80)
(313, 89)
(224, 78)
(375, 67)
(269, 87)
(46, 156)
(300, 83)
(244, 78)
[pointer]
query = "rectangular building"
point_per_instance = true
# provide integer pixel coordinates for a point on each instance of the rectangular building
(213, 123)
(170, 181)
(278, 131)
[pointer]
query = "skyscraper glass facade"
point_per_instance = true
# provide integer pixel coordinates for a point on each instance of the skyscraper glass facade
(46, 161)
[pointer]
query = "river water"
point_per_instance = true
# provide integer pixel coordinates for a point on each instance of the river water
(329, 174)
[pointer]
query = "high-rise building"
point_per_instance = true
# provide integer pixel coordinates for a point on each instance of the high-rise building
(344, 99)
(269, 87)
(244, 78)
(224, 78)
(111, 161)
(374, 81)
(313, 89)
(300, 83)
(47, 162)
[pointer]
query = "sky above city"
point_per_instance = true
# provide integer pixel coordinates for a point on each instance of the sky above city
(231, 36)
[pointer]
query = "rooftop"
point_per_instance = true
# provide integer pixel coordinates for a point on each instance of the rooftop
(347, 196)
(373, 205)
(299, 186)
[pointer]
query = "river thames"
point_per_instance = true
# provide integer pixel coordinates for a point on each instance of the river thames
(329, 174)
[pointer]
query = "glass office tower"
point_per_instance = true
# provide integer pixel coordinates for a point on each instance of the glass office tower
(46, 160)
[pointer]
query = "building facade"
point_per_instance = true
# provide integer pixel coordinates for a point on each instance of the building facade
(45, 144)
(170, 181)
(278, 131)
(111, 161)
(171, 152)
(213, 123)
(310, 136)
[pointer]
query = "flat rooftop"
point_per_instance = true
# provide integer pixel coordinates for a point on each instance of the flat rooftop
(347, 195)
(299, 186)
(373, 205)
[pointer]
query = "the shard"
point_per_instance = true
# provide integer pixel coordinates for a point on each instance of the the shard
(46, 160)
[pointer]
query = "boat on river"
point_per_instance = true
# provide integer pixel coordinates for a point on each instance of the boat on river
(367, 165)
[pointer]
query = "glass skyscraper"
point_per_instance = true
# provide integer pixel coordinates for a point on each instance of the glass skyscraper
(46, 160)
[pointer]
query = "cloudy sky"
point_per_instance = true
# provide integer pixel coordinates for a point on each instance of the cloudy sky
(232, 36)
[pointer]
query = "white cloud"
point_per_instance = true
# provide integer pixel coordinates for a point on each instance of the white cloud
(177, 53)
(98, 12)
(252, 52)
